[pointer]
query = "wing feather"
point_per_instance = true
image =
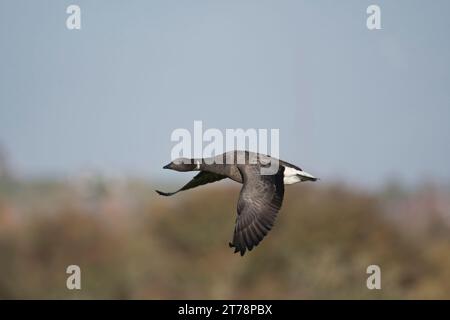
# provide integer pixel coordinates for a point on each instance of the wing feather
(202, 178)
(260, 200)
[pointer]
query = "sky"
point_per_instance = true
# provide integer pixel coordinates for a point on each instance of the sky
(365, 106)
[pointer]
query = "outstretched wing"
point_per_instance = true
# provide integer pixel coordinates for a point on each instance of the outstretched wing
(259, 202)
(203, 177)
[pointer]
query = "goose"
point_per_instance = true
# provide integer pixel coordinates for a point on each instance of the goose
(261, 195)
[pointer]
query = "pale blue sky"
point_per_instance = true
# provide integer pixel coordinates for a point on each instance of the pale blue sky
(350, 103)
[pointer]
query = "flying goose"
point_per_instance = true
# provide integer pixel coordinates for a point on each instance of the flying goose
(261, 195)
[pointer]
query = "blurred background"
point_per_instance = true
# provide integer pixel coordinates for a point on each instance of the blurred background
(85, 123)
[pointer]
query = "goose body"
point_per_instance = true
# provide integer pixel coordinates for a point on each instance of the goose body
(261, 195)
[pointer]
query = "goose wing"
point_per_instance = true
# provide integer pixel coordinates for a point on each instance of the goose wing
(203, 177)
(260, 200)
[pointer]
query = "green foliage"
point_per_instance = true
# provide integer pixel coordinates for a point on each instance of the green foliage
(130, 243)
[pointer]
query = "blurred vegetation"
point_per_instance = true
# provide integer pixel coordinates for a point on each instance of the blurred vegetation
(132, 244)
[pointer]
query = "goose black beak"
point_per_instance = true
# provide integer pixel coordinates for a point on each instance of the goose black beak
(167, 166)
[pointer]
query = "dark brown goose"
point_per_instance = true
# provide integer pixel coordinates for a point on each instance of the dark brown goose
(261, 195)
